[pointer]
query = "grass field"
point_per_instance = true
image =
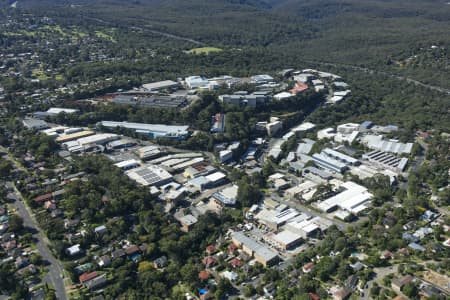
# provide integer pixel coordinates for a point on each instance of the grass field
(39, 74)
(204, 50)
(105, 36)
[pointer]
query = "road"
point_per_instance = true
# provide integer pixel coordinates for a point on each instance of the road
(53, 276)
(370, 71)
(165, 34)
(341, 225)
(380, 273)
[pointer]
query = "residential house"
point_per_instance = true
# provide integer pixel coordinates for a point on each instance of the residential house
(398, 283)
(96, 282)
(87, 276)
(160, 262)
(339, 293)
(104, 261)
(118, 253)
(209, 261)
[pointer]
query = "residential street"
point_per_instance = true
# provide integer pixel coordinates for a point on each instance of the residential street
(380, 274)
(54, 276)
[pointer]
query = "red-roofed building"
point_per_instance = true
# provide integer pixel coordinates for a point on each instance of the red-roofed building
(211, 249)
(50, 205)
(43, 198)
(87, 276)
(232, 247)
(236, 263)
(209, 261)
(314, 296)
(203, 275)
(298, 87)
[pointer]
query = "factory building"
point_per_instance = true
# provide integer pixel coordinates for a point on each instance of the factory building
(326, 162)
(376, 142)
(386, 160)
(151, 130)
(150, 175)
(260, 252)
(354, 198)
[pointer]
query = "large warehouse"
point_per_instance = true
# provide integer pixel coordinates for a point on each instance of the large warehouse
(260, 252)
(353, 199)
(150, 175)
(152, 130)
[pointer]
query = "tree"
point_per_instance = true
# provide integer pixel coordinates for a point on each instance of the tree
(410, 290)
(15, 223)
(5, 168)
(248, 194)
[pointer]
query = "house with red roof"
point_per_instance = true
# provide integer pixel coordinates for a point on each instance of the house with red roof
(236, 263)
(211, 249)
(87, 276)
(43, 198)
(209, 261)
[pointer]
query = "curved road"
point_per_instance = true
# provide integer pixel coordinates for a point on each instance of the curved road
(370, 71)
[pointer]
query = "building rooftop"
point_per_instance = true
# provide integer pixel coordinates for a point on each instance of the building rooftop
(149, 175)
(156, 129)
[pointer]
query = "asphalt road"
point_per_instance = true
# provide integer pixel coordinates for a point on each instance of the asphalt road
(54, 275)
(380, 274)
(341, 225)
(398, 77)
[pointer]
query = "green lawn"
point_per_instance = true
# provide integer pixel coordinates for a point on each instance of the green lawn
(204, 50)
(39, 74)
(105, 36)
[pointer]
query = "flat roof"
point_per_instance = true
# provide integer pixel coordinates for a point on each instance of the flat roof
(149, 175)
(155, 128)
(57, 110)
(339, 155)
(159, 84)
(127, 163)
(73, 136)
(287, 237)
(216, 176)
(259, 249)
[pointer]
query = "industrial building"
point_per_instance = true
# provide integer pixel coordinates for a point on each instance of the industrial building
(195, 82)
(151, 101)
(314, 173)
(285, 240)
(274, 126)
(63, 138)
(260, 252)
(348, 160)
(150, 175)
(218, 123)
(386, 160)
(376, 142)
(262, 79)
(57, 110)
(225, 155)
(149, 152)
(251, 100)
(151, 130)
(128, 164)
(329, 163)
(120, 144)
(198, 169)
(34, 124)
(225, 197)
(305, 146)
(95, 139)
(354, 198)
(160, 85)
(274, 218)
(299, 190)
